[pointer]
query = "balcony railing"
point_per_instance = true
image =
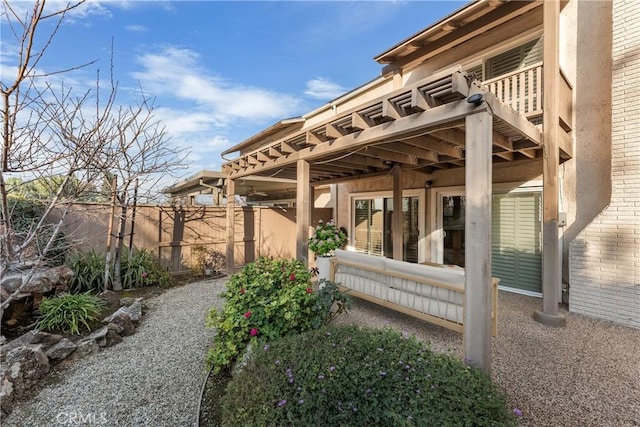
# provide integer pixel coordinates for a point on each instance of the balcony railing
(521, 89)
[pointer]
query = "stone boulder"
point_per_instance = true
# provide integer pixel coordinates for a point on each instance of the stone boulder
(61, 350)
(22, 368)
(122, 324)
(133, 312)
(52, 279)
(33, 337)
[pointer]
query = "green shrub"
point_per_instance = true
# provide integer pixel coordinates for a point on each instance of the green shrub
(142, 269)
(69, 313)
(360, 377)
(266, 300)
(88, 271)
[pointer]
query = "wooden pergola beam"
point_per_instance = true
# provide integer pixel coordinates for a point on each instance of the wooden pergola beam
(409, 126)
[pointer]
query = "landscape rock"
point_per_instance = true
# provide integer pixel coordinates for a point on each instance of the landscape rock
(45, 339)
(113, 338)
(133, 312)
(111, 296)
(125, 324)
(83, 349)
(44, 281)
(99, 337)
(22, 369)
(61, 350)
(115, 327)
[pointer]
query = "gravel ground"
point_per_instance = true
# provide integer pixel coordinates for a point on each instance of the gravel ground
(587, 374)
(153, 378)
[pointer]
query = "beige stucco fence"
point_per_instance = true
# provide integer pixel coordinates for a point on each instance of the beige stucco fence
(170, 232)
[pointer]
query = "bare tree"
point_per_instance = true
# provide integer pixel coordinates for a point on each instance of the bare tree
(49, 129)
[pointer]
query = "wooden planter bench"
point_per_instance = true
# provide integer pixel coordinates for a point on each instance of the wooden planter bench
(429, 292)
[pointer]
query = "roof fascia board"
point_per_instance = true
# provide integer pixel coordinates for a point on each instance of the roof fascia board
(454, 38)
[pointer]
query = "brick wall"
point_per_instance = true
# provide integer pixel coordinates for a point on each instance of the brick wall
(604, 259)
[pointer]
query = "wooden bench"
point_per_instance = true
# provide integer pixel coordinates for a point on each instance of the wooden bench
(429, 292)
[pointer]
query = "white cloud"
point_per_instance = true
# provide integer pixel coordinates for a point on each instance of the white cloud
(322, 88)
(136, 28)
(177, 72)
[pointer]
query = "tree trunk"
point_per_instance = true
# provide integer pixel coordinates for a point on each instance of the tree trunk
(117, 257)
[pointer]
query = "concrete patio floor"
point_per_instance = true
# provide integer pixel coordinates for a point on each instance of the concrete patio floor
(587, 374)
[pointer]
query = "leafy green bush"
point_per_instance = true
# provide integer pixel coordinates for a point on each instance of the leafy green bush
(88, 271)
(69, 313)
(266, 300)
(142, 269)
(139, 269)
(360, 377)
(326, 239)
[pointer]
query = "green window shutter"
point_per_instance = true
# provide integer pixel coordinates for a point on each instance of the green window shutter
(477, 70)
(514, 59)
(517, 240)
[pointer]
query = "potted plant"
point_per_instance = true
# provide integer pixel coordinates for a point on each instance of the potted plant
(325, 240)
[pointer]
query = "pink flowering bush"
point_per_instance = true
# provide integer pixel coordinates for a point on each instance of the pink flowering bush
(326, 239)
(268, 299)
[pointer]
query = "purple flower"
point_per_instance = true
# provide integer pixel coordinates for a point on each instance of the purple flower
(383, 374)
(368, 391)
(301, 401)
(282, 403)
(320, 377)
(517, 412)
(418, 391)
(266, 347)
(277, 362)
(432, 386)
(407, 367)
(332, 368)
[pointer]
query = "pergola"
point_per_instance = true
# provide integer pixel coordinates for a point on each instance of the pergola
(443, 121)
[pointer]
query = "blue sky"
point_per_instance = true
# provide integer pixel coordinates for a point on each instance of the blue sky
(222, 71)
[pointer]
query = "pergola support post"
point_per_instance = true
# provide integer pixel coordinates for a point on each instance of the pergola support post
(231, 213)
(396, 226)
(551, 264)
(303, 212)
(477, 294)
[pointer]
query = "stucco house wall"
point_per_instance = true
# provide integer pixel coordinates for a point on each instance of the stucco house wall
(604, 258)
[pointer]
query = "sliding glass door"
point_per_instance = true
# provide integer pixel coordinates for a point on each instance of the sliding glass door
(372, 226)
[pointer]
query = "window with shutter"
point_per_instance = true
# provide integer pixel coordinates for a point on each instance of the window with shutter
(516, 228)
(514, 59)
(477, 70)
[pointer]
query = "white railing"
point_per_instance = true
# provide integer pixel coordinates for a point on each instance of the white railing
(521, 89)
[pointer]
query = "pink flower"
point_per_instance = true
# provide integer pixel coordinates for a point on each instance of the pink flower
(253, 332)
(247, 315)
(309, 290)
(242, 291)
(292, 277)
(144, 275)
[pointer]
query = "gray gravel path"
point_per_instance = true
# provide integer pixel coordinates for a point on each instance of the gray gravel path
(153, 378)
(587, 374)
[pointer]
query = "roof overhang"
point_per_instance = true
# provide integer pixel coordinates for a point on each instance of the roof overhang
(286, 125)
(419, 127)
(464, 24)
